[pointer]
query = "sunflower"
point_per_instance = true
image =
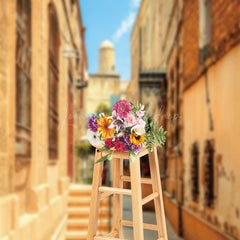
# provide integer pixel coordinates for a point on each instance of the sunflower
(104, 129)
(137, 139)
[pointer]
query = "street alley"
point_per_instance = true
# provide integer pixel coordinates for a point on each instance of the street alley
(148, 217)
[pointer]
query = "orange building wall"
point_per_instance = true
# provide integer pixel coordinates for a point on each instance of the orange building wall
(224, 85)
(197, 229)
(172, 212)
(225, 25)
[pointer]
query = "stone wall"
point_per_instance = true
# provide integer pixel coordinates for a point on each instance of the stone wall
(224, 215)
(201, 105)
(225, 25)
(33, 196)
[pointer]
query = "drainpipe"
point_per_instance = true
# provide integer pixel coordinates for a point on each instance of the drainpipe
(208, 102)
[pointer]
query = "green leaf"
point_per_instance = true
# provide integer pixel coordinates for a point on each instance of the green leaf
(107, 157)
(132, 156)
(104, 148)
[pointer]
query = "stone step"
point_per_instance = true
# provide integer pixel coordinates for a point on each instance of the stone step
(73, 235)
(84, 202)
(75, 190)
(78, 213)
(82, 225)
(83, 213)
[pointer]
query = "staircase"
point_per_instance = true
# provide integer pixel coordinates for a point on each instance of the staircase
(78, 213)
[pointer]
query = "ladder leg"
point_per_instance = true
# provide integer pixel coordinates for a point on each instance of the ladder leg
(117, 198)
(94, 205)
(136, 199)
(158, 202)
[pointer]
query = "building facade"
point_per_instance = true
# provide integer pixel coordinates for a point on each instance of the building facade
(105, 83)
(198, 49)
(37, 78)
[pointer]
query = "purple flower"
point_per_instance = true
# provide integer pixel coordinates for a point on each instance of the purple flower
(126, 148)
(136, 148)
(127, 140)
(92, 124)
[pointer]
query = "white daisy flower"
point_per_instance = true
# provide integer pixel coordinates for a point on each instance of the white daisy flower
(138, 129)
(94, 138)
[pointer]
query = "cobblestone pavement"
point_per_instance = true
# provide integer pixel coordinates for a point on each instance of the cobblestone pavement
(148, 217)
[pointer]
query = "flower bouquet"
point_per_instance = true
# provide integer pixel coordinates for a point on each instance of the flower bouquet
(127, 130)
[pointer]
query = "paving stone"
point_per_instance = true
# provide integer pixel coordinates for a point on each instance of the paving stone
(148, 217)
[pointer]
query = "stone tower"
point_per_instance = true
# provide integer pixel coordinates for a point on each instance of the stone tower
(104, 85)
(106, 57)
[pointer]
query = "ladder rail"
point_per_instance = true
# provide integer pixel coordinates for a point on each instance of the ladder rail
(150, 198)
(113, 190)
(100, 192)
(145, 225)
(143, 180)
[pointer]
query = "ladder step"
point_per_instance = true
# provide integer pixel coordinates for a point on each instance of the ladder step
(112, 190)
(145, 225)
(110, 238)
(149, 198)
(143, 180)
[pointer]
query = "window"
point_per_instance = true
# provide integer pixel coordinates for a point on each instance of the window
(172, 97)
(23, 80)
(177, 132)
(53, 79)
(205, 35)
(172, 76)
(195, 172)
(204, 23)
(209, 173)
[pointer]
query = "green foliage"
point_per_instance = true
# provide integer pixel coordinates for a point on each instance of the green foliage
(132, 156)
(103, 108)
(106, 157)
(135, 108)
(153, 134)
(84, 148)
(104, 148)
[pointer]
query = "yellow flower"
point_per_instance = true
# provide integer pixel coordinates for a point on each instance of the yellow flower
(137, 139)
(104, 129)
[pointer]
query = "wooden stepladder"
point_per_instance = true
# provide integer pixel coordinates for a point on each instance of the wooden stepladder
(100, 192)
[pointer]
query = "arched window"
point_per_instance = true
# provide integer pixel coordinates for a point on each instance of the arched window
(209, 173)
(23, 80)
(53, 79)
(195, 172)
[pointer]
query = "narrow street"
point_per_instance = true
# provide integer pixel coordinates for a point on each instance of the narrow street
(78, 209)
(86, 82)
(148, 217)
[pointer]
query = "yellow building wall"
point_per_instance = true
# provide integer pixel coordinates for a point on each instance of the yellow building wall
(224, 86)
(37, 208)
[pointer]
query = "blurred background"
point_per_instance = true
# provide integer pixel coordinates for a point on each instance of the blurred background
(62, 60)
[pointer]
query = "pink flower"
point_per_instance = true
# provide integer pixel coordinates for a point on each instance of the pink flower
(130, 120)
(141, 123)
(140, 113)
(122, 108)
